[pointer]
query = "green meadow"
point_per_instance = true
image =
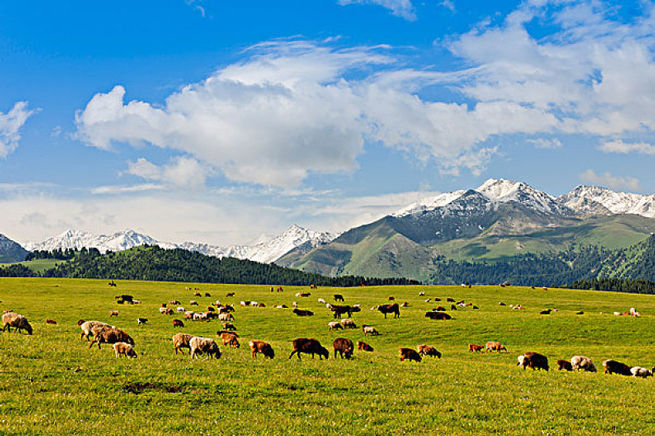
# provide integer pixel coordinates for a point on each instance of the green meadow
(51, 383)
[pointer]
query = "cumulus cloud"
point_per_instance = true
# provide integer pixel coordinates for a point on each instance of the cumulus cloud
(545, 143)
(610, 181)
(627, 147)
(182, 172)
(400, 8)
(10, 125)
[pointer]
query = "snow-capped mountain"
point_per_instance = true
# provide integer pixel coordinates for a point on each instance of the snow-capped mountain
(597, 200)
(499, 191)
(77, 239)
(265, 252)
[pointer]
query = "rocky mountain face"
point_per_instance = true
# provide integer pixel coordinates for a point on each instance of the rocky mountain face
(11, 251)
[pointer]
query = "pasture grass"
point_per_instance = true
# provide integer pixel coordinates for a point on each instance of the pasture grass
(52, 383)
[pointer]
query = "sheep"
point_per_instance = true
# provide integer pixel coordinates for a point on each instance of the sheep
(88, 326)
(322, 301)
(226, 317)
(230, 294)
(140, 321)
(303, 294)
(405, 304)
(193, 303)
(165, 310)
(438, 315)
(12, 319)
(228, 326)
(51, 321)
(301, 312)
(534, 361)
(281, 306)
(200, 345)
(110, 335)
(122, 348)
(348, 323)
(638, 371)
(564, 365)
(181, 340)
(369, 330)
(335, 325)
(338, 297)
(409, 354)
(229, 338)
(309, 346)
(180, 309)
(495, 346)
(428, 350)
(476, 348)
(178, 323)
(614, 367)
(389, 308)
(364, 346)
(582, 362)
(343, 346)
(261, 347)
(188, 315)
(113, 313)
(521, 359)
(174, 302)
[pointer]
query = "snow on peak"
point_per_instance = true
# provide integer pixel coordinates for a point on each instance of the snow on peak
(78, 239)
(429, 203)
(595, 199)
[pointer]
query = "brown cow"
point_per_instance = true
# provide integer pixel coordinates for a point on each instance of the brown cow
(261, 347)
(389, 308)
(343, 346)
(476, 348)
(409, 354)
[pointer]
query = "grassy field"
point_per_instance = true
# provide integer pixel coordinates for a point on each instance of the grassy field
(52, 383)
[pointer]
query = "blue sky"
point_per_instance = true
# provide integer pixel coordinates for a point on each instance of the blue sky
(222, 122)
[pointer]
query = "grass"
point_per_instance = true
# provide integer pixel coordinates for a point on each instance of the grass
(52, 383)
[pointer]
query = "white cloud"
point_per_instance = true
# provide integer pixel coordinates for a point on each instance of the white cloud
(627, 147)
(613, 182)
(401, 8)
(448, 4)
(126, 189)
(545, 143)
(182, 172)
(10, 125)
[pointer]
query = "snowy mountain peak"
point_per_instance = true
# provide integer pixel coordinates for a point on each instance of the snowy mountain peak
(502, 190)
(429, 203)
(597, 200)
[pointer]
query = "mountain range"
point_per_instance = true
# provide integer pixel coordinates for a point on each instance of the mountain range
(497, 221)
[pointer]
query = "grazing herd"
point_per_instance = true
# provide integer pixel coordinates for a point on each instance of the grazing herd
(97, 332)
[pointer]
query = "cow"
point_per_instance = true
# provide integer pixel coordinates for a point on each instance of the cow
(535, 361)
(614, 367)
(476, 348)
(389, 308)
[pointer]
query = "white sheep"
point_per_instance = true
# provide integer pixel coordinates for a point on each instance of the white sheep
(226, 317)
(88, 326)
(180, 309)
(639, 371)
(335, 325)
(181, 340)
(125, 349)
(12, 319)
(200, 345)
(582, 362)
(193, 303)
(348, 323)
(321, 301)
(369, 330)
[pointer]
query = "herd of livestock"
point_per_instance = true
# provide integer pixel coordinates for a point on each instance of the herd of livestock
(123, 344)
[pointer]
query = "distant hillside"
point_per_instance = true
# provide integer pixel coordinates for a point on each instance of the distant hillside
(11, 251)
(158, 264)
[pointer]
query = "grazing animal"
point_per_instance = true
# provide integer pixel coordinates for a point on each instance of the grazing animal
(340, 310)
(439, 309)
(230, 294)
(405, 304)
(500, 303)
(303, 294)
(322, 301)
(495, 346)
(226, 317)
(197, 294)
(582, 362)
(638, 371)
(11, 319)
(389, 308)
(200, 345)
(343, 346)
(165, 310)
(564, 365)
(181, 340)
(88, 326)
(51, 321)
(369, 330)
(348, 323)
(124, 298)
(614, 367)
(228, 326)
(174, 302)
(421, 294)
(476, 348)
(124, 349)
(261, 347)
(110, 335)
(335, 325)
(178, 323)
(207, 294)
(301, 312)
(438, 315)
(535, 361)
(181, 309)
(409, 354)
(140, 321)
(193, 303)
(453, 307)
(545, 312)
(338, 297)
(428, 350)
(450, 300)
(229, 338)
(309, 346)
(113, 313)
(579, 313)
(391, 298)
(210, 309)
(364, 346)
